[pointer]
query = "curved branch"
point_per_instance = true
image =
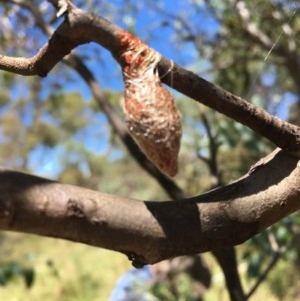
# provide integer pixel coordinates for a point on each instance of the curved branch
(148, 232)
(260, 37)
(170, 186)
(281, 133)
(80, 27)
(120, 128)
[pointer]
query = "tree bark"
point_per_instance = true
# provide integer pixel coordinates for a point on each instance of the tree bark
(80, 27)
(148, 232)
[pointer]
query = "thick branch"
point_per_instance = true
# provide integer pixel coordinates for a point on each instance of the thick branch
(169, 186)
(80, 27)
(148, 232)
(282, 134)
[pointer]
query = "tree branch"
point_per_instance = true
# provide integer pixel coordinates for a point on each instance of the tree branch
(226, 258)
(120, 128)
(148, 232)
(80, 27)
(75, 207)
(169, 185)
(288, 55)
(277, 254)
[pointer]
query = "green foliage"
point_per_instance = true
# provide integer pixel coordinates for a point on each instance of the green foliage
(10, 270)
(52, 119)
(180, 290)
(282, 281)
(68, 111)
(63, 270)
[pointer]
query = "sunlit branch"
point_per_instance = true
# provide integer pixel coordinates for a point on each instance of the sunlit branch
(149, 232)
(80, 27)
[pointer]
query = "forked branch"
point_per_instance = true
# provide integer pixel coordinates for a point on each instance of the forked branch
(80, 27)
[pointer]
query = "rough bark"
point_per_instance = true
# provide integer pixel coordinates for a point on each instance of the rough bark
(148, 232)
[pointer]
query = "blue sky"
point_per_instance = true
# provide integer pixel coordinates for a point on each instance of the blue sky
(149, 27)
(108, 73)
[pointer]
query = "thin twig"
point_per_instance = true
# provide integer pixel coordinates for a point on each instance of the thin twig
(80, 27)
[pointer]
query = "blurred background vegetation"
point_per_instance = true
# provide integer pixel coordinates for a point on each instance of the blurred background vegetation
(53, 127)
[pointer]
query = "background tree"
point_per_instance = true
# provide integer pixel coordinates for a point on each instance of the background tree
(47, 108)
